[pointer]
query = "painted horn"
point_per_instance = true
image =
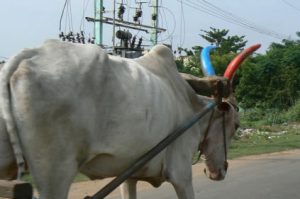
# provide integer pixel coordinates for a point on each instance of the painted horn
(236, 62)
(207, 67)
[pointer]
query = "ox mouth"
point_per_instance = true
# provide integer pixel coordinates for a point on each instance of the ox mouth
(216, 176)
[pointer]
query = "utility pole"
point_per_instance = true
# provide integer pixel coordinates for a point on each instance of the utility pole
(154, 20)
(114, 26)
(98, 25)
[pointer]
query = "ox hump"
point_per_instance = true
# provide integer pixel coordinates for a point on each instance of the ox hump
(163, 51)
(160, 61)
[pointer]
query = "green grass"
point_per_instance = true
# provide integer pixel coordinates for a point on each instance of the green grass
(268, 121)
(79, 178)
(265, 140)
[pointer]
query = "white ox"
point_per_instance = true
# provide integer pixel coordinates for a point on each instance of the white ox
(72, 107)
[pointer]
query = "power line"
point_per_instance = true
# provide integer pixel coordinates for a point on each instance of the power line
(182, 24)
(3, 57)
(67, 11)
(170, 34)
(215, 11)
(62, 14)
(245, 22)
(290, 4)
(85, 6)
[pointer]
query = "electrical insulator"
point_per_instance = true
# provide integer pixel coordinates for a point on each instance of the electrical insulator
(140, 43)
(82, 37)
(91, 40)
(132, 44)
(121, 11)
(138, 14)
(154, 17)
(70, 37)
(62, 36)
(78, 38)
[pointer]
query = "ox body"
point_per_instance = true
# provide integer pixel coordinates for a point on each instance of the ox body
(72, 108)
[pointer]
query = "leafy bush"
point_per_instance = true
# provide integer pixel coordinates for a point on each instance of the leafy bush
(293, 114)
(257, 117)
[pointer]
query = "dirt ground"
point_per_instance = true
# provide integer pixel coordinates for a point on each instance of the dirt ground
(81, 189)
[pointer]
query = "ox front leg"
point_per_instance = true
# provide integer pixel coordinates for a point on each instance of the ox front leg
(182, 183)
(128, 189)
(184, 190)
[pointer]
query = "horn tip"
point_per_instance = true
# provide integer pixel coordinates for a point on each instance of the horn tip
(234, 64)
(256, 46)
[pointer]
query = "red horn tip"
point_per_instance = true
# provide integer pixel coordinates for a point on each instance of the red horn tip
(236, 62)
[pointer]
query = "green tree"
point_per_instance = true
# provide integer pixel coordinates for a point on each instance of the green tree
(226, 44)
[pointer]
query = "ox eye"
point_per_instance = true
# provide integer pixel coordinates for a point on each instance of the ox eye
(237, 108)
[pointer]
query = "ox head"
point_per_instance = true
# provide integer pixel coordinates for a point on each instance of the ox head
(221, 124)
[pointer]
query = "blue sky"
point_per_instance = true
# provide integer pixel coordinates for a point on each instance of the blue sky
(27, 23)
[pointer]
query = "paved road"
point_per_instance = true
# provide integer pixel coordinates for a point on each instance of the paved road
(273, 176)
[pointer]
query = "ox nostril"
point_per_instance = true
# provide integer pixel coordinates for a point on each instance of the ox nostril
(221, 175)
(207, 174)
(225, 165)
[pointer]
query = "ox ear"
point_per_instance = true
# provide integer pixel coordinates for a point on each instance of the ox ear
(200, 85)
(207, 86)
